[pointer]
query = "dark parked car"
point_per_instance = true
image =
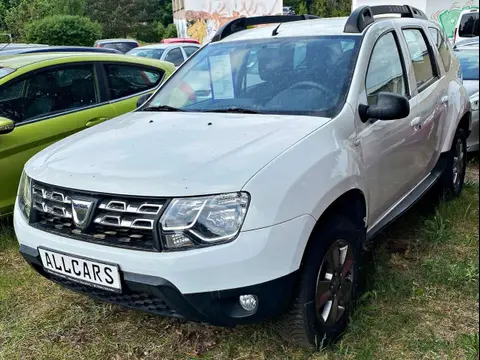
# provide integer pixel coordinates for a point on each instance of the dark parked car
(122, 45)
(47, 49)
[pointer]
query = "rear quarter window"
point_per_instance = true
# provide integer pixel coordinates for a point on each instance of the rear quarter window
(469, 25)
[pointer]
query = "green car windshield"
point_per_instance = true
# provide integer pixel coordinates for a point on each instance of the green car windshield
(4, 71)
(298, 75)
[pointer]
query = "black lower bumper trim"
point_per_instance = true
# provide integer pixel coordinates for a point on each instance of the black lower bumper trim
(158, 296)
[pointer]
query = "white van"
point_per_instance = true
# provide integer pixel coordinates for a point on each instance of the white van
(467, 26)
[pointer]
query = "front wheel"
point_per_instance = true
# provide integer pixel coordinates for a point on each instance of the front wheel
(453, 177)
(328, 286)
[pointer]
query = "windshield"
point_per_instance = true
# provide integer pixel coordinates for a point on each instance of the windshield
(305, 76)
(147, 53)
(4, 71)
(469, 62)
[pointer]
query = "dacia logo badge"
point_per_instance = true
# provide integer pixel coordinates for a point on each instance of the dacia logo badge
(82, 211)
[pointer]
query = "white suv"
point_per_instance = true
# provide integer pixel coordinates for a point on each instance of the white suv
(249, 192)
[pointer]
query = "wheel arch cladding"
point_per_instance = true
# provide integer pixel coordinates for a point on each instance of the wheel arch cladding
(351, 205)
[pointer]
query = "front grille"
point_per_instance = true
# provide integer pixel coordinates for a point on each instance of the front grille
(126, 222)
(135, 300)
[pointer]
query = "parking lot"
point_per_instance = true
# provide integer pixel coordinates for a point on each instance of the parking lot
(420, 302)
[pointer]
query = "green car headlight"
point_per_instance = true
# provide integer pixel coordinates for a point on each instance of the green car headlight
(25, 195)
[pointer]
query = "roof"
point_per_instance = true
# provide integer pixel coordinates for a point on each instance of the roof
(50, 49)
(326, 26)
(164, 46)
(19, 61)
(116, 40)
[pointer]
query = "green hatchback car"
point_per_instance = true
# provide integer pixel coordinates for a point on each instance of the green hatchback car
(46, 97)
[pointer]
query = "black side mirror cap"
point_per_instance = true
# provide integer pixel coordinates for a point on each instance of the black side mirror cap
(143, 99)
(389, 106)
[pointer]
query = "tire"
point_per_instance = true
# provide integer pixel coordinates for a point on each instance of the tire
(303, 324)
(453, 178)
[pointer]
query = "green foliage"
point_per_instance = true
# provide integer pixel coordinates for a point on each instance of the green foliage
(331, 8)
(24, 12)
(70, 7)
(171, 31)
(302, 7)
(63, 30)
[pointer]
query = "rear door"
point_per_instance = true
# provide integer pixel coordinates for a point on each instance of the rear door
(46, 106)
(430, 99)
(126, 82)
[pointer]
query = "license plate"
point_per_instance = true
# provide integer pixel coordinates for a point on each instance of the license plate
(87, 272)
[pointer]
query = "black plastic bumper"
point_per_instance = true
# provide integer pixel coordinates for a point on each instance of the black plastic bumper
(159, 296)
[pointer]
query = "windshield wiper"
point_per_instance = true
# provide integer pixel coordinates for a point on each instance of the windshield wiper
(235, 110)
(162, 108)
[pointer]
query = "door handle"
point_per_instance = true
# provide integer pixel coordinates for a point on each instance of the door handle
(96, 121)
(416, 122)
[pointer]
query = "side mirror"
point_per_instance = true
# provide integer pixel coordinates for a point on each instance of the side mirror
(389, 106)
(143, 99)
(6, 125)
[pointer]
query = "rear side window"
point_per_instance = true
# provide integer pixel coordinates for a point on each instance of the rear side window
(422, 58)
(128, 80)
(190, 50)
(175, 56)
(441, 44)
(385, 71)
(469, 25)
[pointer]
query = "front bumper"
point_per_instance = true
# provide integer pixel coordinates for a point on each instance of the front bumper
(201, 285)
(159, 296)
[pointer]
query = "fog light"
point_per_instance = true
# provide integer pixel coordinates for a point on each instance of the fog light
(249, 302)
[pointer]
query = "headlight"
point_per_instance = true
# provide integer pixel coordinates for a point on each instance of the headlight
(203, 221)
(474, 103)
(25, 195)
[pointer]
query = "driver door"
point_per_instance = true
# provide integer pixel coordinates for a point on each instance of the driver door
(46, 106)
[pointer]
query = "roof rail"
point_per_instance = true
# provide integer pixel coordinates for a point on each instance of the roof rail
(243, 23)
(363, 16)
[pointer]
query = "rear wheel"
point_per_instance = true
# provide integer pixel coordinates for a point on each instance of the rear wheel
(453, 177)
(328, 286)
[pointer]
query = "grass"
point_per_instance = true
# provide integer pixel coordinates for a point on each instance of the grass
(420, 301)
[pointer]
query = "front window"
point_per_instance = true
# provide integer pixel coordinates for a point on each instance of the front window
(305, 76)
(469, 62)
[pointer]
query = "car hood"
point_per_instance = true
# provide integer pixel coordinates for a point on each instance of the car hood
(169, 154)
(471, 86)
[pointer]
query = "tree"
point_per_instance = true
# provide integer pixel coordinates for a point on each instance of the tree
(24, 12)
(331, 8)
(302, 8)
(63, 30)
(171, 31)
(70, 7)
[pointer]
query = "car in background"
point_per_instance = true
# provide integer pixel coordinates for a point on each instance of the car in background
(468, 57)
(48, 49)
(176, 53)
(46, 97)
(468, 25)
(288, 10)
(122, 45)
(12, 46)
(471, 43)
(179, 40)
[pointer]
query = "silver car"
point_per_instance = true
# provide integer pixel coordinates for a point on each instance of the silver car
(175, 53)
(468, 56)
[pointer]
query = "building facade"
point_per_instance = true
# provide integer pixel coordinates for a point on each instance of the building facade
(200, 19)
